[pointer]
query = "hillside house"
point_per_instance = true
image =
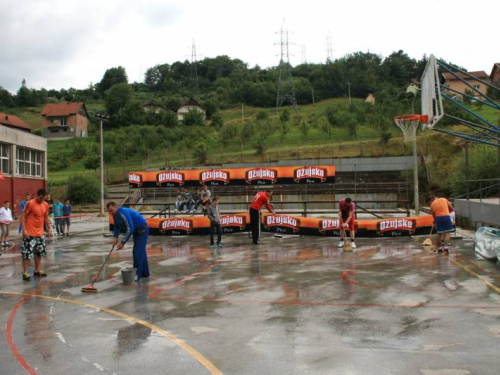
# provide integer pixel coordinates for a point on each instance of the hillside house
(456, 84)
(495, 73)
(65, 120)
(191, 105)
(14, 122)
(153, 107)
(370, 99)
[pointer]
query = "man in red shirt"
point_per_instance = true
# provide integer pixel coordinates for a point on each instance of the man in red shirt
(35, 215)
(346, 213)
(260, 199)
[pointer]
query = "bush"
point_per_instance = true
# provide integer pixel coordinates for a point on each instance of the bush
(83, 189)
(58, 164)
(483, 164)
(200, 154)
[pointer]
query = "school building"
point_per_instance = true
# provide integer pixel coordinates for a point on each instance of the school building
(23, 161)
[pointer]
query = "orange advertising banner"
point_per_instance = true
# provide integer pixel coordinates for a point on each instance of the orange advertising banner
(234, 176)
(285, 224)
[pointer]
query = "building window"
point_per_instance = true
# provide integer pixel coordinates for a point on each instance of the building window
(62, 121)
(477, 87)
(28, 162)
(5, 158)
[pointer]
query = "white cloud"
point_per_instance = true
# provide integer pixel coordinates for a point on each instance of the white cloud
(59, 43)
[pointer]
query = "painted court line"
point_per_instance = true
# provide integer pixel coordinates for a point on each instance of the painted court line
(470, 272)
(326, 304)
(182, 344)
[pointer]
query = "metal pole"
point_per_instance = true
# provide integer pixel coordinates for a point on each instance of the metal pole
(467, 188)
(415, 177)
(102, 172)
(499, 170)
(349, 92)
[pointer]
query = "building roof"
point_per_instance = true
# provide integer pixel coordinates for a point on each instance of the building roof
(63, 109)
(152, 103)
(13, 121)
(192, 102)
(496, 66)
(479, 74)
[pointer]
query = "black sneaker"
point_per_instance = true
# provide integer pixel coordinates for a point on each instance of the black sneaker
(40, 274)
(26, 276)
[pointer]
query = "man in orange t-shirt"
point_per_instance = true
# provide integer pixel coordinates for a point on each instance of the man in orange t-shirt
(441, 208)
(33, 219)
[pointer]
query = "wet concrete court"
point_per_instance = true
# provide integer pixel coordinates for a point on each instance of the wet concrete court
(289, 306)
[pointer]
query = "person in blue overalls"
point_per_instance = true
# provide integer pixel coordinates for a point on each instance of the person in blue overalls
(130, 223)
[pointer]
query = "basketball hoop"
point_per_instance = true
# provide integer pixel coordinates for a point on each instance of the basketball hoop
(409, 125)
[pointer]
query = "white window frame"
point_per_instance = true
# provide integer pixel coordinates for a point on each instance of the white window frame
(477, 87)
(5, 158)
(29, 162)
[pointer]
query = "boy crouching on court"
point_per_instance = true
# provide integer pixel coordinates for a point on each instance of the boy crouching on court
(215, 226)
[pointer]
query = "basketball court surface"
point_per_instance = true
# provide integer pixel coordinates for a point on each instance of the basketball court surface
(292, 305)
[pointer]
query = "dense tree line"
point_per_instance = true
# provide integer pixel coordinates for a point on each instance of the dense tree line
(223, 82)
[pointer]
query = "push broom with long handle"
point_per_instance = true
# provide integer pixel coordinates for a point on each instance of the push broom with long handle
(91, 289)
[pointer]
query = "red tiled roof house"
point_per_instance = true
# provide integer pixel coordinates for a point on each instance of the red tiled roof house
(495, 73)
(65, 120)
(458, 85)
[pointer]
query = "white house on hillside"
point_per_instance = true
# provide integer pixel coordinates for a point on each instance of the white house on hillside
(191, 105)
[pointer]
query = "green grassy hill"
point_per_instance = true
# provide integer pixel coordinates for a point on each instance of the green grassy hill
(294, 145)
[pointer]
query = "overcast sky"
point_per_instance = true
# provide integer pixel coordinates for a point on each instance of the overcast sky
(70, 43)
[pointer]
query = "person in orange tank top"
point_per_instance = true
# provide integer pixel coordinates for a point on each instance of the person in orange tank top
(33, 219)
(441, 208)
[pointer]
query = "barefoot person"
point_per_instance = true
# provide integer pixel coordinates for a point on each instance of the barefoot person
(35, 216)
(5, 220)
(131, 224)
(441, 208)
(260, 199)
(346, 213)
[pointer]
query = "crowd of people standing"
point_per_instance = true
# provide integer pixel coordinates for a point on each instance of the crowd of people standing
(59, 214)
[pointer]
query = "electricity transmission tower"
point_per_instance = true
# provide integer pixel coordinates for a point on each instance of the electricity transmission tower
(286, 88)
(304, 58)
(329, 48)
(193, 78)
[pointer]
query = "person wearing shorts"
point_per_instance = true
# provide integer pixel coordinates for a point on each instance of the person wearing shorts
(441, 208)
(5, 220)
(33, 219)
(66, 217)
(346, 213)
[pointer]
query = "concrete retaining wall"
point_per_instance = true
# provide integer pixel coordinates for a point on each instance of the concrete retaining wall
(474, 213)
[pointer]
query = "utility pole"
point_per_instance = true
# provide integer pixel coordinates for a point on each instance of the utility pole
(349, 84)
(102, 118)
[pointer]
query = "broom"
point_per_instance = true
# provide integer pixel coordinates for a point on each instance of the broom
(91, 289)
(347, 244)
(428, 240)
